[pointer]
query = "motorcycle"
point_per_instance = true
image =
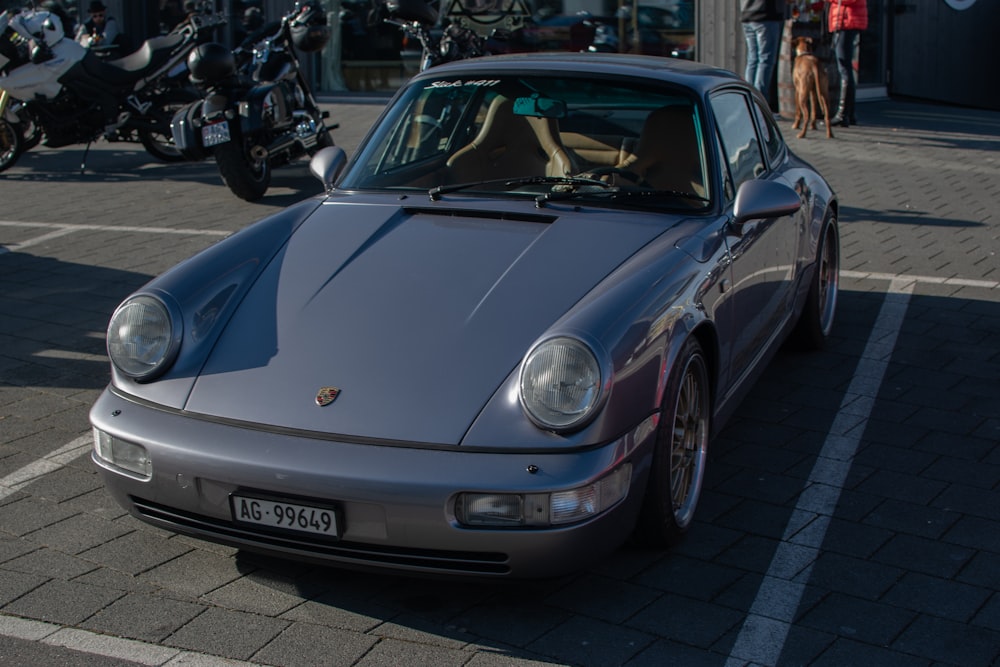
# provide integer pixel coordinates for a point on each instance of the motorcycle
(415, 18)
(18, 133)
(258, 111)
(58, 93)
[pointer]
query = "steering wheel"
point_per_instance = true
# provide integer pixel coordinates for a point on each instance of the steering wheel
(428, 126)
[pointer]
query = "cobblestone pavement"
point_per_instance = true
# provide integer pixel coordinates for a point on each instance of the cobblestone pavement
(851, 514)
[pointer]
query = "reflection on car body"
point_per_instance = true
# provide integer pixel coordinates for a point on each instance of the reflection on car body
(498, 345)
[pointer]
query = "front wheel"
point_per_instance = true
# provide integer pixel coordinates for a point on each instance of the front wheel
(158, 138)
(246, 176)
(10, 144)
(680, 454)
(323, 138)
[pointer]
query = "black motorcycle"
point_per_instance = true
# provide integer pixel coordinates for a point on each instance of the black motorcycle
(417, 20)
(59, 93)
(258, 111)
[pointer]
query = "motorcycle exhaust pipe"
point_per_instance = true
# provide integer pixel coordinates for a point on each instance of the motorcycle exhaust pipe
(282, 144)
(279, 145)
(259, 153)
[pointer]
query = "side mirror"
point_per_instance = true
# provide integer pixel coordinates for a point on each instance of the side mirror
(327, 164)
(412, 10)
(764, 199)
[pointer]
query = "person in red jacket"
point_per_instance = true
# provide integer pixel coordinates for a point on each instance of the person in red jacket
(846, 20)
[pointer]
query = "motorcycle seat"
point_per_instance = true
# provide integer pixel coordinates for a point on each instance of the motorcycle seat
(153, 54)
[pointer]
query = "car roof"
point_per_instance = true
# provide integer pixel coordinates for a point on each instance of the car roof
(694, 75)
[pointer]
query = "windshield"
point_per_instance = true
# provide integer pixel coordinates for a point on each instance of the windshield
(516, 135)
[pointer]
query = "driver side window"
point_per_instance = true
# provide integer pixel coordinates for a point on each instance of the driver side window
(429, 127)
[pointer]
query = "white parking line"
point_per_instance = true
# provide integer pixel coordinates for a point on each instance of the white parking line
(762, 637)
(58, 230)
(63, 229)
(131, 650)
(83, 641)
(957, 282)
(46, 464)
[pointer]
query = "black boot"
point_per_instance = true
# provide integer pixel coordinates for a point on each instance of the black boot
(840, 119)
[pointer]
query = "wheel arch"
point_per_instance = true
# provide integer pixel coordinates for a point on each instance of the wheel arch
(708, 338)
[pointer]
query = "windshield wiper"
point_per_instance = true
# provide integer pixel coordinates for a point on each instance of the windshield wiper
(575, 181)
(619, 193)
(652, 194)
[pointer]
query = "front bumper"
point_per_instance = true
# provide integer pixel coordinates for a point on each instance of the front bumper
(395, 502)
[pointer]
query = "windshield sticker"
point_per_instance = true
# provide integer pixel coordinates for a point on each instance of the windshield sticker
(461, 84)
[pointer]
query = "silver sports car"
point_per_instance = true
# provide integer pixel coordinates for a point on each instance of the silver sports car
(500, 343)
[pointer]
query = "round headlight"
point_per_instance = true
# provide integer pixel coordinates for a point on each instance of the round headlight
(142, 341)
(560, 383)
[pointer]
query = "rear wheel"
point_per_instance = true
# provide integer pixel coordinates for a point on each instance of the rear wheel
(816, 321)
(245, 175)
(681, 451)
(158, 139)
(10, 144)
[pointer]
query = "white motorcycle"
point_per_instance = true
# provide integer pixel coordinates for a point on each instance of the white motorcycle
(55, 91)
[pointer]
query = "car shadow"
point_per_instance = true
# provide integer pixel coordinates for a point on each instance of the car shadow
(851, 214)
(55, 317)
(913, 485)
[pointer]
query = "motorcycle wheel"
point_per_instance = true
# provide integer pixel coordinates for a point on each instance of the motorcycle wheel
(159, 141)
(246, 177)
(10, 144)
(323, 138)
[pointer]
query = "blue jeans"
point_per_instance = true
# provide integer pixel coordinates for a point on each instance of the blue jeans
(763, 42)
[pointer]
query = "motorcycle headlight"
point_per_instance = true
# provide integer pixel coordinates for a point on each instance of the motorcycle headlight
(561, 383)
(143, 337)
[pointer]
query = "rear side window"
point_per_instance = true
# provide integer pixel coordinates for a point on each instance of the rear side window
(739, 137)
(769, 133)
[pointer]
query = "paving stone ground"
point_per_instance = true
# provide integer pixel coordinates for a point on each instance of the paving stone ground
(905, 571)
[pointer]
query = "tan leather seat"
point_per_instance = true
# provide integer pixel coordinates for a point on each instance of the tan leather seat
(510, 146)
(667, 156)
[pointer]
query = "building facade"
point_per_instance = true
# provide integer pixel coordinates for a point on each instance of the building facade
(926, 49)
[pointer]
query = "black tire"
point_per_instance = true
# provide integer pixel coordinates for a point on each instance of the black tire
(816, 321)
(323, 138)
(680, 454)
(159, 139)
(248, 179)
(10, 144)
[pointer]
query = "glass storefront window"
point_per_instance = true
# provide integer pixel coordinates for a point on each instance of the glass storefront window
(376, 56)
(871, 64)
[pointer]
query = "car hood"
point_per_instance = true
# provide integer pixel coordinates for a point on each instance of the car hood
(417, 315)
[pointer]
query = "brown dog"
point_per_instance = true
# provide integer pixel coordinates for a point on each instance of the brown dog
(811, 87)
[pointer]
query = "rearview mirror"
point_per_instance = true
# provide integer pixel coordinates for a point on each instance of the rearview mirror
(540, 107)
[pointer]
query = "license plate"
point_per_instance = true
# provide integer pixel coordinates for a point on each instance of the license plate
(215, 133)
(285, 515)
